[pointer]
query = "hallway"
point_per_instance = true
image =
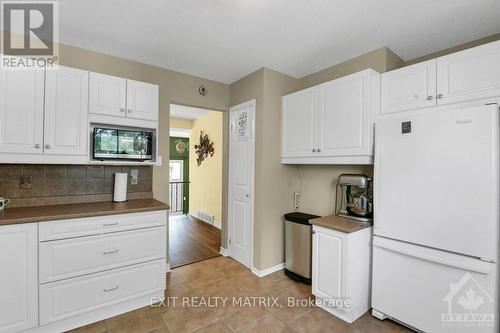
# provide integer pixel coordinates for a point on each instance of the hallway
(191, 240)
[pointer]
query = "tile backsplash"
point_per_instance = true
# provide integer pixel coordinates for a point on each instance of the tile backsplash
(67, 180)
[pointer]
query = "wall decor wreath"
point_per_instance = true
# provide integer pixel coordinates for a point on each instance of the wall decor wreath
(204, 148)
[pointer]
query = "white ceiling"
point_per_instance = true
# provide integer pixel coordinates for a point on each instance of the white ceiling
(186, 112)
(224, 40)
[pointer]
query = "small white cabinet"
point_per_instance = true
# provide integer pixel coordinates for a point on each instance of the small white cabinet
(66, 104)
(469, 75)
(299, 125)
(331, 123)
(107, 95)
(341, 270)
(119, 97)
(21, 111)
(19, 277)
(408, 88)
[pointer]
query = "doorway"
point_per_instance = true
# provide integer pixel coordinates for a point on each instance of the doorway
(195, 184)
(241, 182)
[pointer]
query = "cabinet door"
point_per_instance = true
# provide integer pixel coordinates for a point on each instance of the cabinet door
(344, 116)
(19, 277)
(299, 124)
(469, 75)
(66, 108)
(21, 111)
(142, 100)
(327, 264)
(408, 88)
(107, 95)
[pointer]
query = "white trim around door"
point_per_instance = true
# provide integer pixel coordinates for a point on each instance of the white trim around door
(241, 182)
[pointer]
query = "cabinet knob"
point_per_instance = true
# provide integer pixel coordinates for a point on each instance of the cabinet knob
(37, 146)
(319, 150)
(439, 96)
(314, 150)
(429, 98)
(47, 146)
(122, 110)
(129, 110)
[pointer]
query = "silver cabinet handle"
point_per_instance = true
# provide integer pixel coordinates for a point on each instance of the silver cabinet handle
(111, 251)
(429, 98)
(439, 96)
(129, 110)
(122, 109)
(47, 146)
(109, 224)
(37, 146)
(110, 289)
(314, 150)
(319, 150)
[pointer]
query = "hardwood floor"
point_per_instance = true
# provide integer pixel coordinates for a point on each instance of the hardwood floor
(191, 240)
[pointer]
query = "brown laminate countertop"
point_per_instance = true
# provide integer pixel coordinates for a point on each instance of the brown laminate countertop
(17, 215)
(339, 223)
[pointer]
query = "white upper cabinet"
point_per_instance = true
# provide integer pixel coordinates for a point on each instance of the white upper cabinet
(407, 88)
(19, 278)
(66, 105)
(119, 97)
(142, 100)
(299, 127)
(21, 111)
(469, 75)
(107, 95)
(346, 113)
(465, 76)
(332, 123)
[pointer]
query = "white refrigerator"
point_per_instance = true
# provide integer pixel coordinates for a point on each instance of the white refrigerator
(436, 220)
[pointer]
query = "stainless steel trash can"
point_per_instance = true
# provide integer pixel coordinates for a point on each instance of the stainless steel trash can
(298, 246)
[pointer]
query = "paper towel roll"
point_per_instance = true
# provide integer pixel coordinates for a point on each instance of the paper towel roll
(120, 192)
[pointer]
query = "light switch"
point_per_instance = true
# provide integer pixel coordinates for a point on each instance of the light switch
(134, 176)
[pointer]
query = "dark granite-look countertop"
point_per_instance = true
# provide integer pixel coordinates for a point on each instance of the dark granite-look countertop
(18, 215)
(339, 223)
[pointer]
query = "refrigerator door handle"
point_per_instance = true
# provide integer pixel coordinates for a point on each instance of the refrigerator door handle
(406, 249)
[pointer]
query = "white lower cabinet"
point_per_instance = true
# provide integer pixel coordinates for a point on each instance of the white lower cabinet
(341, 271)
(18, 278)
(68, 298)
(59, 275)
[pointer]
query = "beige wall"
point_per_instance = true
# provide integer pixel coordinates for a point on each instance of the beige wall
(181, 123)
(205, 194)
(468, 45)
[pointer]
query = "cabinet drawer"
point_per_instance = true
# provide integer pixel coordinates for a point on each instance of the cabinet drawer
(69, 258)
(67, 298)
(101, 224)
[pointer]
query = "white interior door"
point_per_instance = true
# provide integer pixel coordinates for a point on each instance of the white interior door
(176, 185)
(241, 181)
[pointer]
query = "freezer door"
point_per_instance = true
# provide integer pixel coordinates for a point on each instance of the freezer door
(434, 291)
(436, 180)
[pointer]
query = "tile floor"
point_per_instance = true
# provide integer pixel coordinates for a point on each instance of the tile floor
(225, 277)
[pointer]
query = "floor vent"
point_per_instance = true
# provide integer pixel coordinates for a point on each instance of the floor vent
(206, 217)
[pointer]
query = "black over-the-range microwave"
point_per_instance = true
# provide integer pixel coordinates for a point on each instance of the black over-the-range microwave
(123, 144)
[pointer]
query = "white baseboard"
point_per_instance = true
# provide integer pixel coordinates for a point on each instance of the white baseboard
(167, 268)
(224, 252)
(268, 271)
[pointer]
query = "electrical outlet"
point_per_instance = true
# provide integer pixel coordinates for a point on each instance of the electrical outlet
(296, 198)
(25, 182)
(134, 177)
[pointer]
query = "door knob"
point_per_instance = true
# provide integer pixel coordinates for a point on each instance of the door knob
(247, 195)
